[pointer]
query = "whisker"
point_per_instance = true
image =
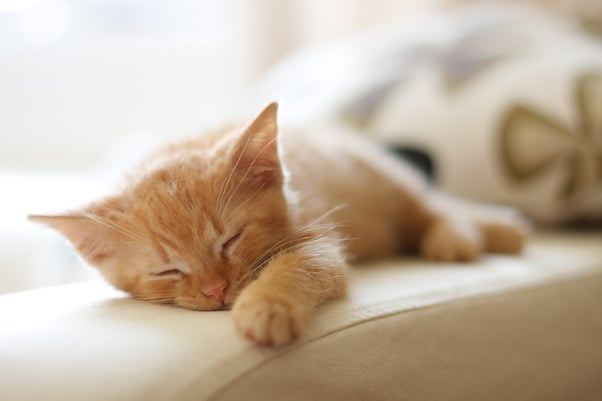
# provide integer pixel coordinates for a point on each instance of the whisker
(328, 213)
(226, 183)
(259, 264)
(299, 237)
(251, 165)
(249, 198)
(114, 227)
(160, 298)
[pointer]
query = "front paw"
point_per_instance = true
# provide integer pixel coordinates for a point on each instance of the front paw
(268, 321)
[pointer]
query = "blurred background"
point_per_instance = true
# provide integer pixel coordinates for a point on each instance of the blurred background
(77, 74)
(87, 86)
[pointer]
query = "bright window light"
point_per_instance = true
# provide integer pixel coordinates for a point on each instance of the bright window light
(17, 5)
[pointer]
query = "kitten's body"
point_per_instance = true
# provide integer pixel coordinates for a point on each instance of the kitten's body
(267, 222)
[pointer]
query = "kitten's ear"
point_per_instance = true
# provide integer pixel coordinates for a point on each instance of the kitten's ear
(95, 241)
(256, 152)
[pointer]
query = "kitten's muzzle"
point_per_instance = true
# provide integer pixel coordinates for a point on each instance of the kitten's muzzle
(216, 290)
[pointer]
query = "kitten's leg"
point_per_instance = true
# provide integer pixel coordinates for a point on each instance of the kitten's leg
(455, 230)
(275, 308)
(504, 230)
(448, 240)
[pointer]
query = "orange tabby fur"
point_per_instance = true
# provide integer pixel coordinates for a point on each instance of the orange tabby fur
(266, 224)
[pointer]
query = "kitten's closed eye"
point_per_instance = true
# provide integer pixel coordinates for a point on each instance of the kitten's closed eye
(170, 273)
(226, 245)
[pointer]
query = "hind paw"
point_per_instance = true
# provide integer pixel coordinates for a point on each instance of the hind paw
(449, 241)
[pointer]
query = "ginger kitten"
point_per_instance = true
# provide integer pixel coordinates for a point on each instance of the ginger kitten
(266, 223)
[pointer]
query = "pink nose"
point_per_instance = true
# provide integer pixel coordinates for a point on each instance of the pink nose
(216, 290)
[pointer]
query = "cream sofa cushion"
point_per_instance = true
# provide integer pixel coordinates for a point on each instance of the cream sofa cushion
(504, 328)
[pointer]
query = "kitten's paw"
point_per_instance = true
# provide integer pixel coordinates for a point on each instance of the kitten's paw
(505, 234)
(448, 242)
(267, 322)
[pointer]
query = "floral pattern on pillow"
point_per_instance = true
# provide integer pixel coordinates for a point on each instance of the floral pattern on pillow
(532, 142)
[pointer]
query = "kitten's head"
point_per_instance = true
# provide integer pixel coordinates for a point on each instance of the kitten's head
(194, 225)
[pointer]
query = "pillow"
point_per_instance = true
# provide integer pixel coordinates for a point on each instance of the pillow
(506, 101)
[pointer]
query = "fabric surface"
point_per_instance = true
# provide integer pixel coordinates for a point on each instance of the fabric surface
(527, 326)
(516, 346)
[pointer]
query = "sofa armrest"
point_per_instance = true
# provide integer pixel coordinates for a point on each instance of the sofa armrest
(408, 330)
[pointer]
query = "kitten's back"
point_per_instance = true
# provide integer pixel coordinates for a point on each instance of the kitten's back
(369, 190)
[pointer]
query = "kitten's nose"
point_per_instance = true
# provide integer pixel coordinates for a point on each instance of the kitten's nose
(216, 290)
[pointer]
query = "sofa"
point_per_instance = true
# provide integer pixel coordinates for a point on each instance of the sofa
(523, 328)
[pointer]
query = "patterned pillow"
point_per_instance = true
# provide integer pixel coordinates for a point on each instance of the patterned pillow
(506, 101)
(534, 144)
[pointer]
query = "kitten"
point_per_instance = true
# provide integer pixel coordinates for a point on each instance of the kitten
(266, 224)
